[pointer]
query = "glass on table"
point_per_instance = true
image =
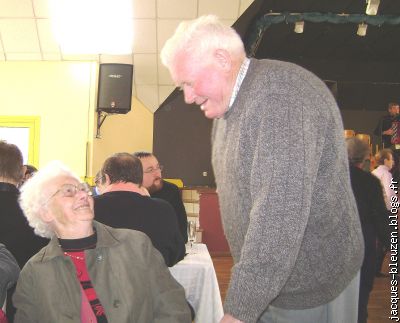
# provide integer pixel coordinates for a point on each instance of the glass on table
(191, 230)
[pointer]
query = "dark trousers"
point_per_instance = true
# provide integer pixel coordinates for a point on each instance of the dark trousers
(367, 276)
(380, 256)
(396, 168)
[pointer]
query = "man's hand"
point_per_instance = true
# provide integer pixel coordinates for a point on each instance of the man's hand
(230, 319)
(388, 132)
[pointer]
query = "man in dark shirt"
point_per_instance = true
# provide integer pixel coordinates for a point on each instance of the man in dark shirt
(157, 187)
(123, 205)
(15, 233)
(374, 217)
(384, 127)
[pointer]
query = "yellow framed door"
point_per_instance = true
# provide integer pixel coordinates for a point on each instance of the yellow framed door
(23, 131)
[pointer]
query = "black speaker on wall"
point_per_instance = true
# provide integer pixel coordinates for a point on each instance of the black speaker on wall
(115, 88)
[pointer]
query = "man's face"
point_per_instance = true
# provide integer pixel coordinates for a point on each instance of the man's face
(204, 82)
(394, 110)
(101, 181)
(389, 163)
(152, 179)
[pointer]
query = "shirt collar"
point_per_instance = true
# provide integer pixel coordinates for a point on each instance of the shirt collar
(122, 186)
(239, 79)
(8, 187)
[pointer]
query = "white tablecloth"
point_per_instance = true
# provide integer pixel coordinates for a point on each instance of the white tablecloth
(197, 276)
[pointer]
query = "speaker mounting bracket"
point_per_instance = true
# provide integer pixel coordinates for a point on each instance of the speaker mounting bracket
(101, 116)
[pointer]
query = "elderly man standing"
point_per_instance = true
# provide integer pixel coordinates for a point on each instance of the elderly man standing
(282, 175)
(157, 187)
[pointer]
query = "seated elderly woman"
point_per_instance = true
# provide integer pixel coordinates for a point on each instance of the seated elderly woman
(89, 272)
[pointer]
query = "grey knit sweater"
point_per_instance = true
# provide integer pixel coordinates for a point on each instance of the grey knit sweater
(286, 201)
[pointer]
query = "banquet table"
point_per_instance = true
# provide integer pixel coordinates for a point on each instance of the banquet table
(196, 274)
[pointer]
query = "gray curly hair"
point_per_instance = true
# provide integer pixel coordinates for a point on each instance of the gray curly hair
(34, 194)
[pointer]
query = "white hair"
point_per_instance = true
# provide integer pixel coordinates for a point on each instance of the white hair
(34, 195)
(199, 37)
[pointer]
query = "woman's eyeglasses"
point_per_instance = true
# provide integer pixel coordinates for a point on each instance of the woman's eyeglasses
(70, 190)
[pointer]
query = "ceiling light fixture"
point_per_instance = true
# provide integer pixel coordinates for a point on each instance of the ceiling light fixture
(362, 29)
(372, 7)
(93, 26)
(299, 27)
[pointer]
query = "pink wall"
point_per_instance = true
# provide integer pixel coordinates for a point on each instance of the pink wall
(210, 222)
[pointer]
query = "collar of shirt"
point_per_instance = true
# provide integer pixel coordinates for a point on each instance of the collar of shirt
(8, 187)
(239, 79)
(121, 186)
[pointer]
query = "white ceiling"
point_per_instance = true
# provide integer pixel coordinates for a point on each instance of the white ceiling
(25, 35)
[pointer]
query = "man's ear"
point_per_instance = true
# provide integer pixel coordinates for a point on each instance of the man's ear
(107, 180)
(23, 170)
(223, 59)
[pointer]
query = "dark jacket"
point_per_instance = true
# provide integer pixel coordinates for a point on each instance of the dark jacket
(154, 217)
(374, 215)
(385, 123)
(170, 193)
(15, 232)
(9, 272)
(128, 274)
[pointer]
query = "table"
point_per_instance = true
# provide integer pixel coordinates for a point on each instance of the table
(196, 274)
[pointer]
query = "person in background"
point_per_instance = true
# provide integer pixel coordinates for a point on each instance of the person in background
(98, 181)
(373, 215)
(384, 128)
(123, 205)
(390, 137)
(29, 172)
(282, 176)
(159, 188)
(100, 185)
(89, 272)
(9, 272)
(15, 232)
(385, 161)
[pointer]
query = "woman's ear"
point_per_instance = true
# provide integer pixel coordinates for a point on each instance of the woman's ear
(45, 214)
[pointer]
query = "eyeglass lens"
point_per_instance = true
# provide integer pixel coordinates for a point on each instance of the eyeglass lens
(70, 190)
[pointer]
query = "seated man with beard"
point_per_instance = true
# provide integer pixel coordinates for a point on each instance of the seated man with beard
(157, 187)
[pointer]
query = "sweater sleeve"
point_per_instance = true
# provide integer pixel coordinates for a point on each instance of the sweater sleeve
(24, 298)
